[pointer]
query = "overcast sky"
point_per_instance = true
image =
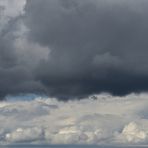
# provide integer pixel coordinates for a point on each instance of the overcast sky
(55, 50)
(73, 48)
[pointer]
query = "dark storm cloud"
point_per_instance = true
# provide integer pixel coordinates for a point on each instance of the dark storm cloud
(15, 77)
(95, 46)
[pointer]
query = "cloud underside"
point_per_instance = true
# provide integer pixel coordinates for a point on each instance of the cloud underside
(100, 119)
(73, 48)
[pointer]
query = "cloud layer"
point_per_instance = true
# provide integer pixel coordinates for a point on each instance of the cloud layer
(100, 119)
(73, 48)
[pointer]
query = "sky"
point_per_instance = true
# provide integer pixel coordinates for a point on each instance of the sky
(74, 72)
(73, 49)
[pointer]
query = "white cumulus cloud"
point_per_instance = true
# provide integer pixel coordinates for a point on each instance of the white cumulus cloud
(95, 120)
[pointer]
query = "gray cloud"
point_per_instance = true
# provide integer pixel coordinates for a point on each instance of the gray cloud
(15, 76)
(75, 48)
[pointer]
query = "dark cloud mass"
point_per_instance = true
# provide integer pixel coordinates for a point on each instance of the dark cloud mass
(88, 46)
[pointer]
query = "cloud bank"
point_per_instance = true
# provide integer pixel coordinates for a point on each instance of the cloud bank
(100, 119)
(73, 48)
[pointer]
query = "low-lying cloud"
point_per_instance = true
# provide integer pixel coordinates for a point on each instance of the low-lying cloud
(102, 119)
